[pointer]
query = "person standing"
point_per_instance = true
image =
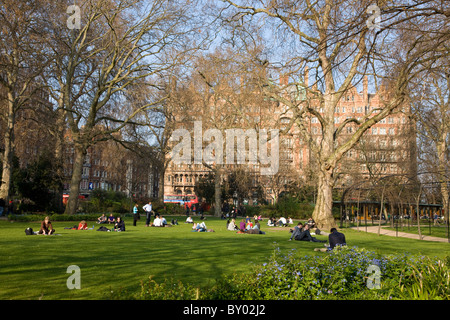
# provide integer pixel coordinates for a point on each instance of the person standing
(148, 208)
(135, 214)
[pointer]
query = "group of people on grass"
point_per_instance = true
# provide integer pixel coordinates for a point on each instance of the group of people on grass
(47, 227)
(245, 225)
(280, 222)
(109, 220)
(301, 232)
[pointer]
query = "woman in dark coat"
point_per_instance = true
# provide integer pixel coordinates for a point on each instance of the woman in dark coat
(120, 225)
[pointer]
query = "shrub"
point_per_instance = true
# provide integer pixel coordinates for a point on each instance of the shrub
(53, 217)
(339, 274)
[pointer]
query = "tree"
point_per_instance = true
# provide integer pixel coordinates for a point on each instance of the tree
(38, 182)
(431, 107)
(121, 46)
(22, 60)
(221, 96)
(336, 43)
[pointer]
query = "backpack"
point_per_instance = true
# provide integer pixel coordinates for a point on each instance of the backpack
(29, 231)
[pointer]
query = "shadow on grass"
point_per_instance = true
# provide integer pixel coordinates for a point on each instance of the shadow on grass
(34, 267)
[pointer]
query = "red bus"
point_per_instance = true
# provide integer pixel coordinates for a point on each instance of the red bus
(66, 198)
(181, 199)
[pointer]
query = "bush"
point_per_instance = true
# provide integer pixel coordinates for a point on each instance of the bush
(339, 274)
(53, 217)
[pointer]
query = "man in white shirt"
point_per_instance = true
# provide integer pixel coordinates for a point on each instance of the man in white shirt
(148, 211)
(282, 222)
(157, 222)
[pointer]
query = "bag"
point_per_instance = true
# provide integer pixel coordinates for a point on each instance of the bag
(29, 231)
(102, 228)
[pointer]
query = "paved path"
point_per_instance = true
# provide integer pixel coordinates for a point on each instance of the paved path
(393, 233)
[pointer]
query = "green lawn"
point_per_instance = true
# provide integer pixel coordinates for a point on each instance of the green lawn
(35, 267)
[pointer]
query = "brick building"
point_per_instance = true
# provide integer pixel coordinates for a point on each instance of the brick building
(388, 147)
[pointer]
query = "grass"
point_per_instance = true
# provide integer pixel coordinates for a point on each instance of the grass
(35, 267)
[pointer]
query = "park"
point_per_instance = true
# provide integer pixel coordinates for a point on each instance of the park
(129, 107)
(122, 265)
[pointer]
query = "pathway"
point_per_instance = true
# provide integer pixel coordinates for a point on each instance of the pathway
(393, 233)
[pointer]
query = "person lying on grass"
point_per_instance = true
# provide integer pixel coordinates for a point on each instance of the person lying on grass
(305, 235)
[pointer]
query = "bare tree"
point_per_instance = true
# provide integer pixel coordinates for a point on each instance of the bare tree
(431, 105)
(339, 47)
(225, 98)
(120, 45)
(22, 60)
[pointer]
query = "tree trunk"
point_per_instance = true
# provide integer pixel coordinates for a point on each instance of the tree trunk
(418, 212)
(161, 177)
(217, 193)
(72, 203)
(8, 153)
(59, 155)
(323, 215)
(381, 211)
(442, 150)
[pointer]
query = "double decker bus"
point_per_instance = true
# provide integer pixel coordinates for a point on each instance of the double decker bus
(183, 200)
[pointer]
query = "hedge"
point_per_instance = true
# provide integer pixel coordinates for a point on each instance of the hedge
(54, 217)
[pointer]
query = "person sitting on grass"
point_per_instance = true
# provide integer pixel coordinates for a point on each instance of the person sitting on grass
(231, 226)
(82, 225)
(111, 218)
(297, 230)
(157, 222)
(189, 220)
(119, 225)
(242, 225)
(199, 227)
(334, 239)
(102, 219)
(254, 231)
(305, 235)
(282, 222)
(46, 227)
